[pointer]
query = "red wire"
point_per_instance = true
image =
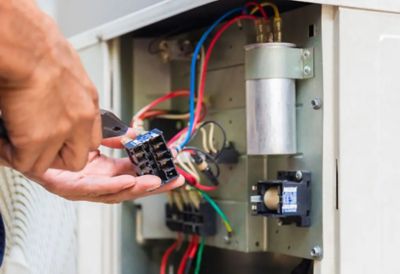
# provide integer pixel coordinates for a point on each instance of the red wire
(185, 257)
(260, 8)
(193, 252)
(152, 113)
(207, 58)
(193, 182)
(167, 96)
(168, 252)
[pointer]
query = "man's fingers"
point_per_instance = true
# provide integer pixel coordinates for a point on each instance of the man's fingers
(143, 188)
(90, 187)
(46, 158)
(115, 142)
(21, 159)
(74, 154)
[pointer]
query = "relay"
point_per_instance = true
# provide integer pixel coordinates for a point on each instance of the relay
(150, 155)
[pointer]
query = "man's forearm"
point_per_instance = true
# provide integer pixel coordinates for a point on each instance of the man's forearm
(22, 21)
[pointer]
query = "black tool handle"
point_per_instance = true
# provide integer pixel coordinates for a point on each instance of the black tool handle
(112, 126)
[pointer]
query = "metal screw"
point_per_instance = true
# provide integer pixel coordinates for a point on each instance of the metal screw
(299, 175)
(227, 239)
(316, 252)
(254, 187)
(254, 207)
(280, 223)
(306, 53)
(307, 70)
(316, 103)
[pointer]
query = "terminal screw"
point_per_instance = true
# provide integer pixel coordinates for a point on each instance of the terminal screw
(316, 103)
(299, 175)
(307, 70)
(316, 252)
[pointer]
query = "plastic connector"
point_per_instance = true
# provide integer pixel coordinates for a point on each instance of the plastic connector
(201, 221)
(150, 156)
(228, 155)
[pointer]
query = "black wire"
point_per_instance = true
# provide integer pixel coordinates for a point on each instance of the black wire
(208, 157)
(223, 135)
(188, 266)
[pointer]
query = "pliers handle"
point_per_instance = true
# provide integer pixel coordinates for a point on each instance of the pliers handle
(112, 126)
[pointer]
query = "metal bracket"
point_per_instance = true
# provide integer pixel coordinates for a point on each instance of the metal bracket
(279, 62)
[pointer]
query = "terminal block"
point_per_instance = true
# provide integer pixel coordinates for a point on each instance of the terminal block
(192, 221)
(150, 155)
(287, 198)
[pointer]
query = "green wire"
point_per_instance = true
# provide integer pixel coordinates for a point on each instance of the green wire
(218, 210)
(199, 256)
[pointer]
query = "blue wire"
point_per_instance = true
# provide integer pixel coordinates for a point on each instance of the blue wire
(193, 71)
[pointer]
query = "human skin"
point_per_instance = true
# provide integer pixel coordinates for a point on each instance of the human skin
(48, 104)
(50, 109)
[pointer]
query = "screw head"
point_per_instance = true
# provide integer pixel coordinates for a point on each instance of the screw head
(299, 175)
(227, 239)
(316, 103)
(307, 70)
(306, 53)
(316, 252)
(279, 222)
(254, 207)
(254, 187)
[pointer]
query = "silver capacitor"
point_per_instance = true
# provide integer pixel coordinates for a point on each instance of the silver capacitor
(270, 100)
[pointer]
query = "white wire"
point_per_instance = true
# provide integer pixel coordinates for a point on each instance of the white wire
(175, 116)
(186, 167)
(204, 139)
(211, 139)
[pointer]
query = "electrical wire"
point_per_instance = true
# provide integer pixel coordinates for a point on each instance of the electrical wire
(208, 157)
(189, 169)
(208, 55)
(224, 137)
(139, 115)
(219, 211)
(192, 255)
(168, 252)
(204, 138)
(169, 116)
(211, 140)
(257, 7)
(192, 181)
(185, 257)
(200, 256)
(192, 120)
(267, 4)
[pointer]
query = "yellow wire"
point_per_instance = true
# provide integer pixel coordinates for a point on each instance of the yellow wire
(268, 4)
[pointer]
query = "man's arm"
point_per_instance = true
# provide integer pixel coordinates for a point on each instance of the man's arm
(48, 103)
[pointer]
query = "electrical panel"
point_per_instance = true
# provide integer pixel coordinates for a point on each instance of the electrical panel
(267, 96)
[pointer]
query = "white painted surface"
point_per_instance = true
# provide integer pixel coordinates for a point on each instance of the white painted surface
(329, 264)
(369, 131)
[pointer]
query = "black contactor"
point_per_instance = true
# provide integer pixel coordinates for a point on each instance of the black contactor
(150, 155)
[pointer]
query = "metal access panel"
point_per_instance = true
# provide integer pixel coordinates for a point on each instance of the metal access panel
(225, 92)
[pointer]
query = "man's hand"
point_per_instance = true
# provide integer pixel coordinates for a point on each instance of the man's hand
(48, 103)
(105, 180)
